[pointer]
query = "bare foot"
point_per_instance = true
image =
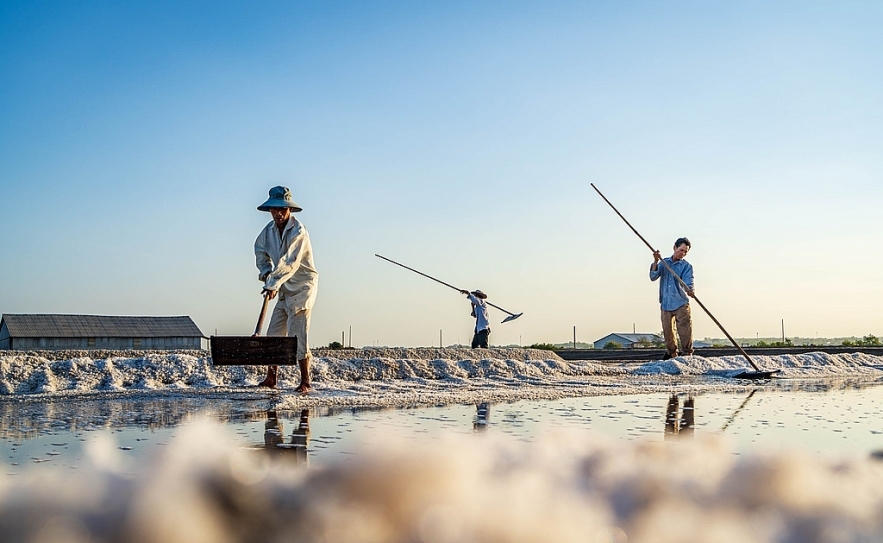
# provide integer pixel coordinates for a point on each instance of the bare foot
(270, 380)
(303, 388)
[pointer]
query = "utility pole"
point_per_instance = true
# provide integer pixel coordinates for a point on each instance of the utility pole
(440, 339)
(634, 329)
(351, 336)
(342, 338)
(574, 337)
(783, 332)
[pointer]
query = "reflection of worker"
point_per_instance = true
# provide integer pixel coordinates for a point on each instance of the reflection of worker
(284, 259)
(272, 432)
(482, 322)
(687, 420)
(675, 428)
(673, 298)
(671, 416)
(300, 438)
(482, 417)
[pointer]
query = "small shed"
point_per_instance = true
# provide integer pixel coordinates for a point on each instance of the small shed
(627, 341)
(84, 332)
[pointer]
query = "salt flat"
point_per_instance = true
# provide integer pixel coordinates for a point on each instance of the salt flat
(392, 377)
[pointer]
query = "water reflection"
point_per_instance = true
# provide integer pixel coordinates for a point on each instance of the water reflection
(680, 421)
(683, 426)
(28, 419)
(736, 412)
(272, 431)
(482, 417)
(274, 441)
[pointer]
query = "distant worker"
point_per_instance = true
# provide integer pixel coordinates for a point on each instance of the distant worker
(284, 259)
(482, 322)
(482, 417)
(673, 298)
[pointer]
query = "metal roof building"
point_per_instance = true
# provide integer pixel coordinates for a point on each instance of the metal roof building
(632, 341)
(76, 332)
(627, 341)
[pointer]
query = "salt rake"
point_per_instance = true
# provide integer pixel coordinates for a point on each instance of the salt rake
(758, 373)
(511, 317)
(254, 350)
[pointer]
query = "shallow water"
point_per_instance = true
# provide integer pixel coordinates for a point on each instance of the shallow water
(52, 409)
(825, 417)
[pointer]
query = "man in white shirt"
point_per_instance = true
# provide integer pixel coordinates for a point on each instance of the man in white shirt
(482, 323)
(284, 258)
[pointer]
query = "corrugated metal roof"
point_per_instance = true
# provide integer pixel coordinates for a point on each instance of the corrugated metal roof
(99, 326)
(637, 337)
(631, 338)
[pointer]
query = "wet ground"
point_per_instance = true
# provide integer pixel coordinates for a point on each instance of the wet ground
(830, 417)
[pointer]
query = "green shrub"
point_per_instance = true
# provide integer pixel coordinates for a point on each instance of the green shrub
(612, 345)
(786, 343)
(869, 340)
(543, 346)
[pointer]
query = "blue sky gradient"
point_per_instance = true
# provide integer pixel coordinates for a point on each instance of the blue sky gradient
(460, 138)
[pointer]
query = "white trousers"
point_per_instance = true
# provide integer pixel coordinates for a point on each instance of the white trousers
(288, 322)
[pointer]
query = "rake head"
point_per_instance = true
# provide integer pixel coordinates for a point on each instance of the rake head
(511, 318)
(756, 374)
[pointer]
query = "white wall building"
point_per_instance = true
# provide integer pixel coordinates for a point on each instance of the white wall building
(83, 332)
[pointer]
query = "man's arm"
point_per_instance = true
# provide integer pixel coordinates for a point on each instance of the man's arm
(654, 268)
(290, 261)
(687, 278)
(262, 257)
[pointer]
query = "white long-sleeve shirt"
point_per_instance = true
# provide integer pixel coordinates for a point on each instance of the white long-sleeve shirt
(479, 306)
(285, 263)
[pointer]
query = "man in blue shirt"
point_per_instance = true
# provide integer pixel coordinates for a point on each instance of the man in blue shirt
(673, 298)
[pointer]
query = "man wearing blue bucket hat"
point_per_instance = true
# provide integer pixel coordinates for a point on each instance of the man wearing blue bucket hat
(284, 259)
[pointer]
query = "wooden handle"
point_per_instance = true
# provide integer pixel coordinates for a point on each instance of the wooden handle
(257, 329)
(418, 272)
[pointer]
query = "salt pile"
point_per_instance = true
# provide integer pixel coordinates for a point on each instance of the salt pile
(482, 487)
(388, 377)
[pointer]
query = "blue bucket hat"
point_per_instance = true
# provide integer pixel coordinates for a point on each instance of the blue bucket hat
(279, 197)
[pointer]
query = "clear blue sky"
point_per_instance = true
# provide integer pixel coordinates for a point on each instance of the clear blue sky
(460, 138)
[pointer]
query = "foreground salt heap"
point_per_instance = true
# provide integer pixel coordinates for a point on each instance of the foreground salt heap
(567, 487)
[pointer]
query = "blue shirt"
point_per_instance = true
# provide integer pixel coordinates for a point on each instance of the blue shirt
(671, 294)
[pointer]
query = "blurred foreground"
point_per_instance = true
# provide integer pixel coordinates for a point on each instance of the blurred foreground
(569, 486)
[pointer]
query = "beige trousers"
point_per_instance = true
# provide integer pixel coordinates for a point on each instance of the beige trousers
(681, 318)
(289, 322)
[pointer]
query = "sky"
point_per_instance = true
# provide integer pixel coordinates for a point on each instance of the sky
(458, 138)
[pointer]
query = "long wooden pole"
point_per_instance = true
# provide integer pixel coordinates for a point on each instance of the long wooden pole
(681, 281)
(442, 282)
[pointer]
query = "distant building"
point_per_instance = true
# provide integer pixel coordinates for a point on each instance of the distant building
(631, 341)
(83, 332)
(627, 341)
